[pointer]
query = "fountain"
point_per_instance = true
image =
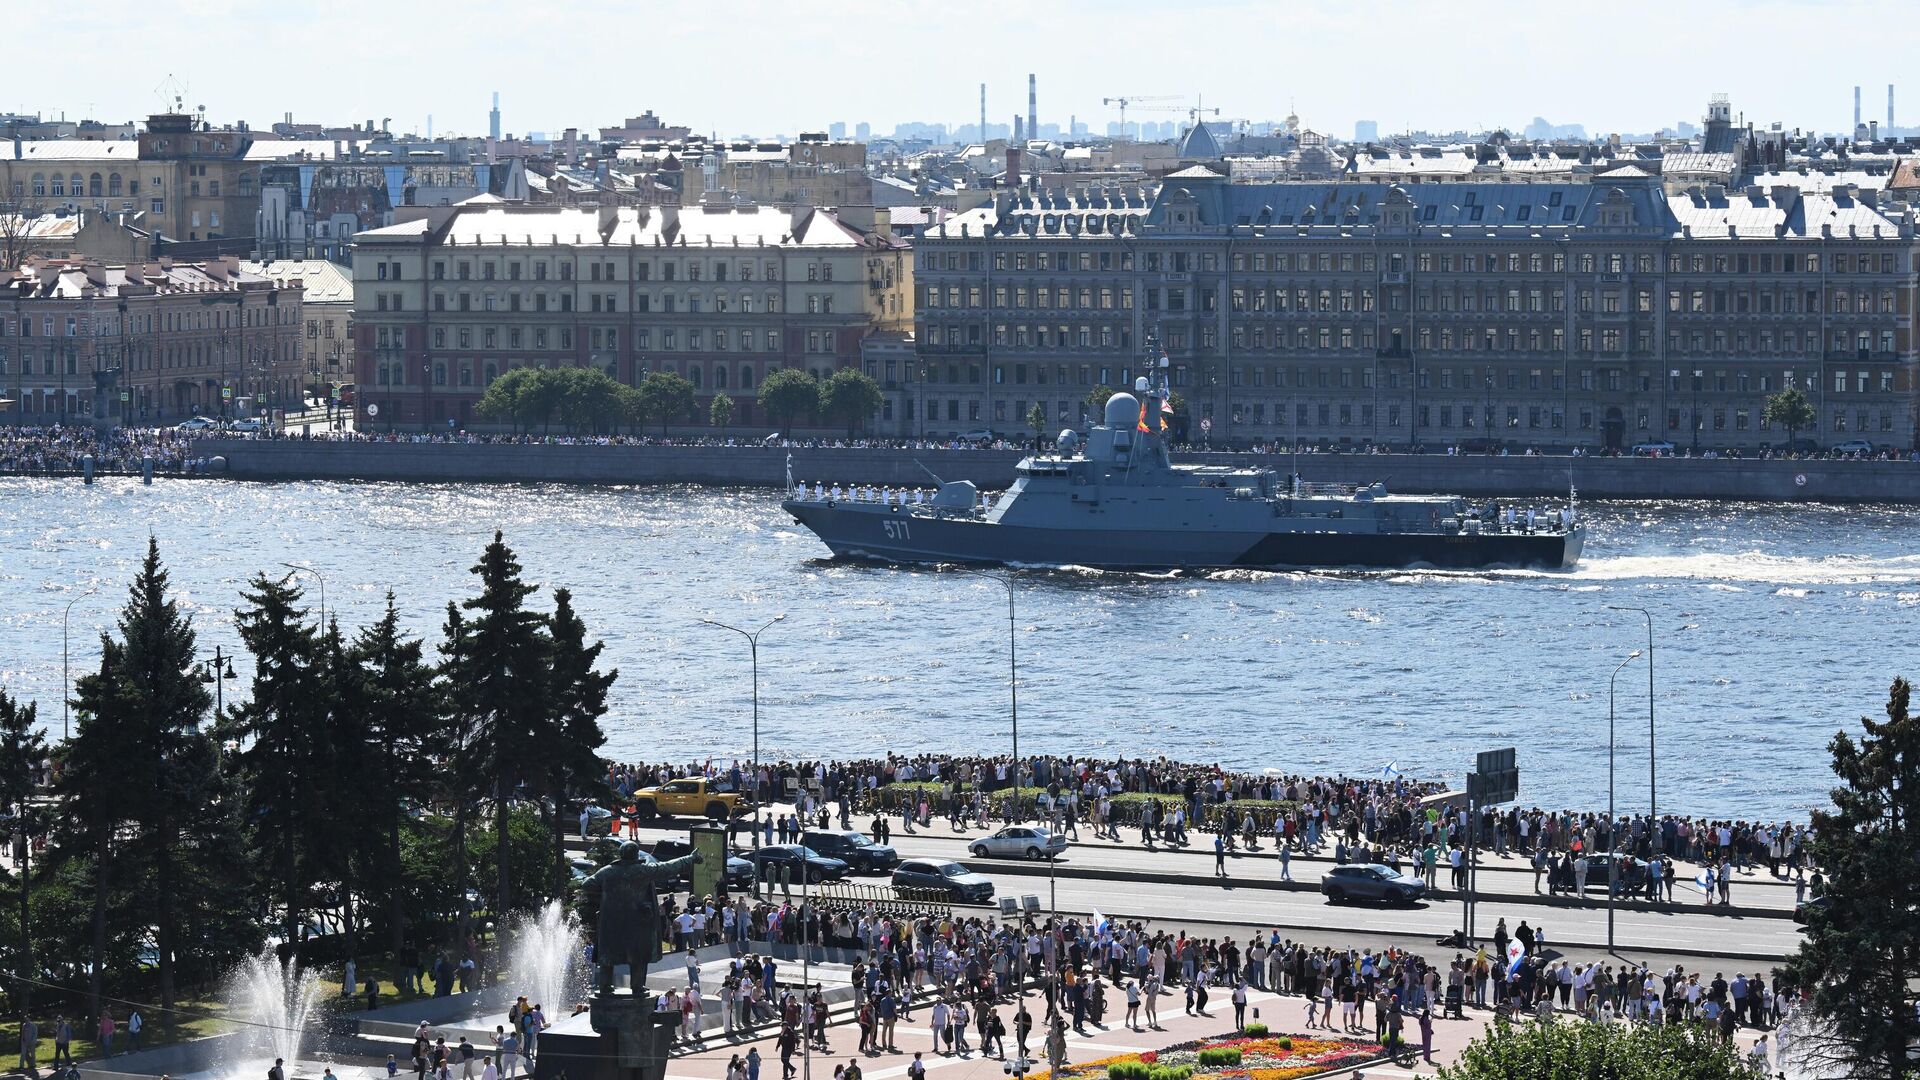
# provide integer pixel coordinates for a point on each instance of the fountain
(548, 960)
(275, 1004)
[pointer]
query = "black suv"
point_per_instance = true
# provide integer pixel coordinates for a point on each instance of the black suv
(856, 849)
(739, 871)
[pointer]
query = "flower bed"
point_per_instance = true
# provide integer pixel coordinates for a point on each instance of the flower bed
(1266, 1057)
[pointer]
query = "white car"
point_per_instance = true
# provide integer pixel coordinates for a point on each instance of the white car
(1653, 449)
(1019, 842)
(197, 423)
(1853, 446)
(250, 425)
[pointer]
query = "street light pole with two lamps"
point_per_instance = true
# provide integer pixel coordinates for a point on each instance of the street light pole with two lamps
(66, 683)
(1613, 820)
(753, 648)
(1653, 786)
(1013, 680)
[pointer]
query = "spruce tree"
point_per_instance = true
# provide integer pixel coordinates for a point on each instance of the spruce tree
(21, 752)
(1861, 955)
(284, 743)
(138, 769)
(502, 677)
(455, 645)
(570, 760)
(399, 724)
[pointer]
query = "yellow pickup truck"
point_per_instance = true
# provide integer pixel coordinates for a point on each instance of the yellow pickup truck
(690, 797)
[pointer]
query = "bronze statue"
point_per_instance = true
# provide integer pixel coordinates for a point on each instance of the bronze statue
(623, 896)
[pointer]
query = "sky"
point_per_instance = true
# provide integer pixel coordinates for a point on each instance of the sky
(766, 67)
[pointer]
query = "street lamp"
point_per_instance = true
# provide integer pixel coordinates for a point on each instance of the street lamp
(1613, 845)
(753, 649)
(219, 670)
(298, 569)
(65, 684)
(1698, 375)
(1013, 681)
(1653, 786)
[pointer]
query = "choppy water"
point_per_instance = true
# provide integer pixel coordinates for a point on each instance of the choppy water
(1775, 625)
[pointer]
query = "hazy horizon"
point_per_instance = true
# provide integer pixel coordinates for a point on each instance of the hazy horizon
(757, 67)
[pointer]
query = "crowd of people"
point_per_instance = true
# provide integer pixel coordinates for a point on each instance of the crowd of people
(58, 450)
(962, 973)
(1388, 818)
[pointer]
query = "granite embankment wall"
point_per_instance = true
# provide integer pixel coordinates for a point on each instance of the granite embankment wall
(1597, 478)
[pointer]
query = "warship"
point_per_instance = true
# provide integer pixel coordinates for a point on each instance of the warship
(1113, 499)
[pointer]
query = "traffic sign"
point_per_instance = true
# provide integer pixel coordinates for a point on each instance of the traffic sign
(1495, 778)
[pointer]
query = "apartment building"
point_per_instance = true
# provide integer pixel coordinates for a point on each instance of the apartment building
(185, 338)
(447, 299)
(1551, 314)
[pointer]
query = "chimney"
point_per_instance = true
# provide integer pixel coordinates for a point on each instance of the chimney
(1013, 166)
(1889, 110)
(1856, 106)
(1033, 109)
(1018, 131)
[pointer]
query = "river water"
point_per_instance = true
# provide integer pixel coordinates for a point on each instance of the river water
(1774, 626)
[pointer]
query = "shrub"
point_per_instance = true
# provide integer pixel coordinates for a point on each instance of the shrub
(1584, 1048)
(1284, 1043)
(1170, 1072)
(1257, 1029)
(1126, 1070)
(1220, 1055)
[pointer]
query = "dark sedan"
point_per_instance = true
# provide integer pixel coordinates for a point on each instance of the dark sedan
(856, 849)
(800, 862)
(739, 870)
(1633, 875)
(1372, 881)
(951, 878)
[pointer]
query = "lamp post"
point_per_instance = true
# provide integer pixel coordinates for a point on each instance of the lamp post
(1653, 786)
(1013, 681)
(1613, 846)
(65, 683)
(1698, 375)
(753, 651)
(219, 670)
(299, 569)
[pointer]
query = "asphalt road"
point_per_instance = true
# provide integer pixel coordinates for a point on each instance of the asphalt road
(1690, 932)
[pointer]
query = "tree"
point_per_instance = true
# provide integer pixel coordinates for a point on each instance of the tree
(1097, 397)
(570, 761)
(20, 214)
(287, 747)
(139, 786)
(1791, 410)
(1579, 1048)
(720, 413)
(786, 394)
(666, 397)
(589, 399)
(1861, 954)
(401, 718)
(501, 678)
(22, 751)
(851, 396)
(1037, 420)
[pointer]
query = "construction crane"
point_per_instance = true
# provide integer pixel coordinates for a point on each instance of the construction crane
(1123, 102)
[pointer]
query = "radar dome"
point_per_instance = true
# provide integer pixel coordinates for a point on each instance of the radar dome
(1140, 384)
(1068, 439)
(1122, 410)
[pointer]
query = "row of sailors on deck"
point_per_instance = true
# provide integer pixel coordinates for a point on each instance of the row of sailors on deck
(1531, 520)
(864, 493)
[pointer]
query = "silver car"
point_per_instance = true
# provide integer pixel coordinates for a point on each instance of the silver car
(1019, 842)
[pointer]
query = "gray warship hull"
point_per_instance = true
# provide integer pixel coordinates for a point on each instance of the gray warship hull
(906, 534)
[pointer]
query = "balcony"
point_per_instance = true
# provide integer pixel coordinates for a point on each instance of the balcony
(1862, 356)
(1393, 277)
(1394, 352)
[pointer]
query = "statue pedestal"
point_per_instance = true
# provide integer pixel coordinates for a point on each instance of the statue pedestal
(618, 1038)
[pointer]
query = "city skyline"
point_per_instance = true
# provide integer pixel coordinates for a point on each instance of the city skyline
(550, 75)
